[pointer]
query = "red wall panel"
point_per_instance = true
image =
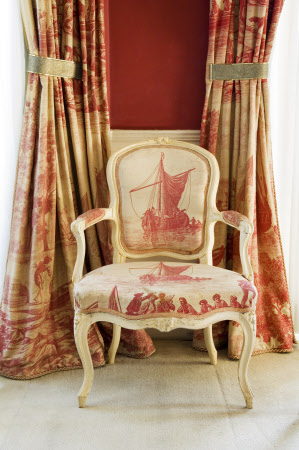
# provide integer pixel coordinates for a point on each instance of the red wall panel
(157, 63)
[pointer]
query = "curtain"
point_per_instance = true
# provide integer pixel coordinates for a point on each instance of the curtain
(235, 127)
(284, 119)
(61, 172)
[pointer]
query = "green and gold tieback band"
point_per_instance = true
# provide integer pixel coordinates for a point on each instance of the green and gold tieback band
(242, 71)
(54, 67)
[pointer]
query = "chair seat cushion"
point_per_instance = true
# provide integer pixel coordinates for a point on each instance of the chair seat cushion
(156, 289)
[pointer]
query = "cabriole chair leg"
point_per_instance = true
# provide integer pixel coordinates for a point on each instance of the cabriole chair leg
(114, 343)
(82, 323)
(208, 335)
(248, 324)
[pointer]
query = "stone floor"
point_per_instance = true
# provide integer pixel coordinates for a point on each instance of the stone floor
(173, 400)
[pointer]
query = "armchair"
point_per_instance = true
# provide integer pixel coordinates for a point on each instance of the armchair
(163, 203)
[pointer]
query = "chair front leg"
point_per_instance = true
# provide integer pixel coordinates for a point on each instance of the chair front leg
(248, 324)
(209, 341)
(114, 343)
(82, 323)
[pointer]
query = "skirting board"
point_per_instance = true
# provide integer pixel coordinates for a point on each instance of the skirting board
(122, 138)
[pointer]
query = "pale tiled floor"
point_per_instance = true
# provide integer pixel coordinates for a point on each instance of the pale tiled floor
(173, 400)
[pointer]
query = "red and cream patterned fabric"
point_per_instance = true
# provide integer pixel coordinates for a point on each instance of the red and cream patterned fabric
(163, 195)
(63, 153)
(157, 289)
(236, 129)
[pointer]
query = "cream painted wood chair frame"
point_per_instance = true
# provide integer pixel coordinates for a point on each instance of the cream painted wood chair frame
(82, 321)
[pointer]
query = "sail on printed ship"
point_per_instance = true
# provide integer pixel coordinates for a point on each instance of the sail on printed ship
(162, 272)
(114, 302)
(163, 210)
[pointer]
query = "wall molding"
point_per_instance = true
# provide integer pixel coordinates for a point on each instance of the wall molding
(122, 138)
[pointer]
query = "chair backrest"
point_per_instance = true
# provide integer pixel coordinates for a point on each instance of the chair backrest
(161, 192)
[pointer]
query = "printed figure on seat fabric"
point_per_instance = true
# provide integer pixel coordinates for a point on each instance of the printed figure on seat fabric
(205, 307)
(234, 302)
(149, 307)
(246, 287)
(134, 306)
(165, 303)
(219, 303)
(185, 308)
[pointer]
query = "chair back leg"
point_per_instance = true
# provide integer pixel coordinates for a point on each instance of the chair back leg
(209, 341)
(114, 343)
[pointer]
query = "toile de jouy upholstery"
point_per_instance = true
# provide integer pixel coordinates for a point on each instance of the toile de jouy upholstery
(163, 204)
(158, 289)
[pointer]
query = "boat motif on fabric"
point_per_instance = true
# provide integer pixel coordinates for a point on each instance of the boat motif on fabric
(114, 302)
(162, 273)
(166, 215)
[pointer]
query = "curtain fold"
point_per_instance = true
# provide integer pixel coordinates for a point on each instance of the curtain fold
(236, 129)
(65, 144)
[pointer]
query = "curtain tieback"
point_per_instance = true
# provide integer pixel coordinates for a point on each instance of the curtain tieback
(54, 67)
(242, 71)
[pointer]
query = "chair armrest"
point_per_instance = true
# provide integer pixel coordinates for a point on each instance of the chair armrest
(82, 222)
(245, 226)
(235, 219)
(91, 217)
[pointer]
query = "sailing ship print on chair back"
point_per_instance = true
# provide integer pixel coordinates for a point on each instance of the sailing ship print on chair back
(161, 193)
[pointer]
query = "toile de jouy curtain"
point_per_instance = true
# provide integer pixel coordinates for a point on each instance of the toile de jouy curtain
(235, 128)
(61, 172)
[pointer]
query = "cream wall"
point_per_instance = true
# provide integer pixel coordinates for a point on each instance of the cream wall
(284, 112)
(12, 91)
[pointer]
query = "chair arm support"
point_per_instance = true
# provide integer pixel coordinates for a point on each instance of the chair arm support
(92, 217)
(235, 219)
(82, 222)
(245, 226)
